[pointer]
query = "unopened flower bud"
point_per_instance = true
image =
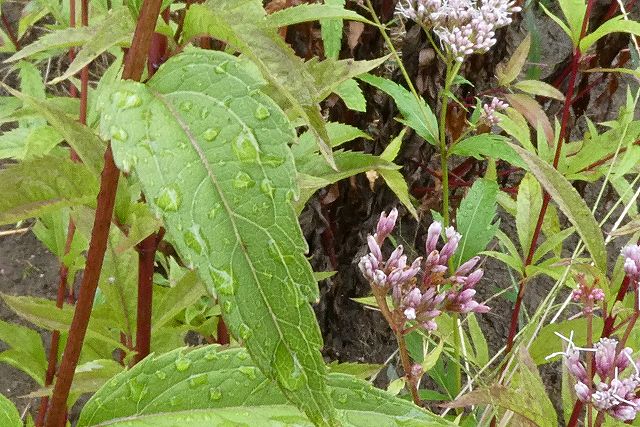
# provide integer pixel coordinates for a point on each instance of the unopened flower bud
(433, 235)
(374, 247)
(467, 266)
(386, 225)
(582, 391)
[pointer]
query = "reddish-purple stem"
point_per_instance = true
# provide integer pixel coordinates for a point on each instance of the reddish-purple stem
(10, 33)
(566, 113)
(133, 68)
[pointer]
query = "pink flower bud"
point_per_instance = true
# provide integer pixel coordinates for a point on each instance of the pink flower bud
(386, 225)
(410, 313)
(379, 278)
(582, 391)
(433, 235)
(624, 413)
(605, 356)
(395, 257)
(467, 266)
(474, 278)
(374, 247)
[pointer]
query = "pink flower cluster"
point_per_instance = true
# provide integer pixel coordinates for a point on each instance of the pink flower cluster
(425, 299)
(463, 26)
(631, 256)
(587, 294)
(489, 111)
(609, 393)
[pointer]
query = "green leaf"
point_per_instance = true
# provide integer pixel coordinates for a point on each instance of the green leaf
(55, 42)
(331, 30)
(526, 396)
(34, 187)
(362, 371)
(488, 145)
(391, 151)
(396, 182)
(529, 203)
(185, 293)
(416, 112)
(531, 109)
(241, 23)
(223, 186)
(9, 415)
(571, 204)
(44, 313)
(552, 243)
(209, 380)
(349, 91)
(474, 220)
(81, 138)
(617, 24)
(339, 133)
(116, 29)
(509, 72)
(574, 11)
(313, 12)
(330, 73)
(25, 352)
(547, 342)
(480, 345)
(535, 87)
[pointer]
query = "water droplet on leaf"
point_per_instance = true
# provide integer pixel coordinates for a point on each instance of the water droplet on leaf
(169, 199)
(227, 306)
(245, 331)
(210, 134)
(125, 100)
(186, 105)
(214, 211)
(161, 375)
(243, 180)
(198, 380)
(248, 371)
(194, 239)
(262, 113)
(222, 281)
(118, 134)
(245, 148)
(266, 186)
(215, 394)
(182, 364)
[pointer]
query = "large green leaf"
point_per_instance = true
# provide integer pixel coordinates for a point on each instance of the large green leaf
(212, 154)
(570, 203)
(33, 187)
(474, 220)
(529, 203)
(243, 24)
(416, 112)
(209, 380)
(9, 415)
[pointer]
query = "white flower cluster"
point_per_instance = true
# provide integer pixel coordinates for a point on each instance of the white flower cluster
(463, 26)
(489, 111)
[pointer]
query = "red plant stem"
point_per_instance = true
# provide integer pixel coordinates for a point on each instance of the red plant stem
(52, 360)
(80, 322)
(146, 258)
(566, 112)
(133, 68)
(10, 33)
(55, 335)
